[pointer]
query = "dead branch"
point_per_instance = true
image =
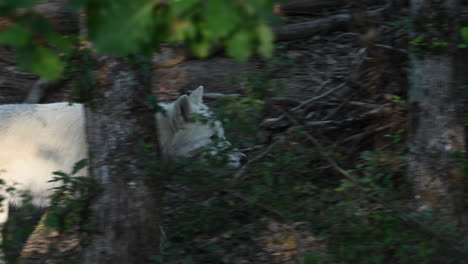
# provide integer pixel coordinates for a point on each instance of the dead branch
(454, 245)
(300, 7)
(335, 111)
(270, 121)
(242, 170)
(8, 61)
(313, 99)
(41, 88)
(37, 92)
(391, 48)
(364, 104)
(314, 27)
(254, 148)
(367, 133)
(284, 101)
(216, 96)
(310, 28)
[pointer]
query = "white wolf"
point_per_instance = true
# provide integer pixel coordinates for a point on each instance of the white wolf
(38, 139)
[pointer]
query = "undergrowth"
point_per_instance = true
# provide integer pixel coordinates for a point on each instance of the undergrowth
(287, 195)
(287, 183)
(218, 216)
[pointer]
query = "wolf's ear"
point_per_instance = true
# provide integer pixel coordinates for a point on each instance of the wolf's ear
(182, 111)
(197, 96)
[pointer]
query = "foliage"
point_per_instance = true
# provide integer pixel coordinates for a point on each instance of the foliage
(21, 223)
(240, 115)
(418, 44)
(400, 24)
(69, 201)
(373, 171)
(397, 100)
(207, 222)
(464, 36)
(259, 85)
(356, 233)
(397, 137)
(121, 27)
(82, 67)
(287, 181)
(42, 57)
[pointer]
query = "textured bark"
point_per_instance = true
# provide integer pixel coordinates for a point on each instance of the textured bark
(127, 210)
(14, 85)
(435, 118)
(58, 13)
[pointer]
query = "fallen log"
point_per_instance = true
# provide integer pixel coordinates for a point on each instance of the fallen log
(317, 26)
(301, 7)
(310, 28)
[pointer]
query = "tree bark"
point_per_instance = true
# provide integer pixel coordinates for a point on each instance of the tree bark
(59, 14)
(310, 28)
(435, 118)
(126, 212)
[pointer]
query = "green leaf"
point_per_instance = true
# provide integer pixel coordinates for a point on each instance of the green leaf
(266, 37)
(239, 46)
(60, 42)
(201, 48)
(48, 64)
(182, 30)
(123, 27)
(345, 185)
(60, 174)
(52, 220)
(178, 7)
(23, 3)
(41, 61)
(77, 4)
(15, 36)
(9, 6)
(79, 165)
(220, 18)
(464, 34)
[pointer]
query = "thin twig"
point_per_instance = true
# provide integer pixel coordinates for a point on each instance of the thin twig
(391, 48)
(8, 61)
(332, 113)
(368, 132)
(310, 100)
(216, 96)
(242, 170)
(246, 150)
(401, 215)
(302, 104)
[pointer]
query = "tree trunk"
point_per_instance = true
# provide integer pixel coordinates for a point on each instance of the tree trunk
(435, 117)
(121, 131)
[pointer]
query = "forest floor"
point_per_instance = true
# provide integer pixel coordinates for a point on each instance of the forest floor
(346, 85)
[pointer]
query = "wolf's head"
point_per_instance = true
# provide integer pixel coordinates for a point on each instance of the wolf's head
(187, 127)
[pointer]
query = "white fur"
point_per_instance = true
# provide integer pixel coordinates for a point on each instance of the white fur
(36, 140)
(182, 138)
